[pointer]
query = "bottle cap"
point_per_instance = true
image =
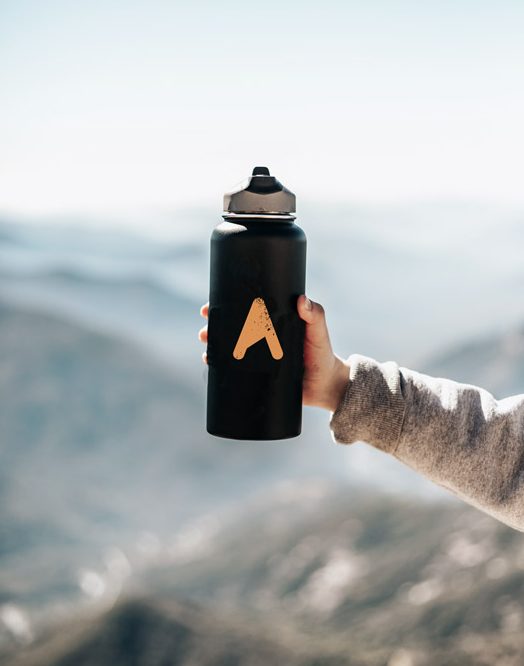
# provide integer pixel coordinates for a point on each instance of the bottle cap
(263, 196)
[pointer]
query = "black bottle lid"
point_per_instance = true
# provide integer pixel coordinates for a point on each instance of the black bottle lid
(263, 196)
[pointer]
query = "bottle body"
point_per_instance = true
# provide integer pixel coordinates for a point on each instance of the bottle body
(255, 337)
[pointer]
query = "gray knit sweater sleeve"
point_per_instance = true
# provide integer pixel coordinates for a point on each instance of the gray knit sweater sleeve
(457, 435)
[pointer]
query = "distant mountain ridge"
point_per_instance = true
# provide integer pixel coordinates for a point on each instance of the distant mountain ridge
(398, 281)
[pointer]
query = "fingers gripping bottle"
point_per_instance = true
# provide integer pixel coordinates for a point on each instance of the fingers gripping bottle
(255, 342)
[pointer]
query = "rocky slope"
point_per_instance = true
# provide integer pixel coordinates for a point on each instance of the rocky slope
(313, 576)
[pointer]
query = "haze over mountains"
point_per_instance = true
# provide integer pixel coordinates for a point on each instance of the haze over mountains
(109, 484)
(437, 274)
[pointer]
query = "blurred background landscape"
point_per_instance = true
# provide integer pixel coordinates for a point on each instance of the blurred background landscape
(127, 534)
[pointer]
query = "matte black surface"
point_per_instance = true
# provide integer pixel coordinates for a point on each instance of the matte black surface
(257, 397)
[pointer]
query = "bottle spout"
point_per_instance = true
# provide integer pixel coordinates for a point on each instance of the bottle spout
(260, 171)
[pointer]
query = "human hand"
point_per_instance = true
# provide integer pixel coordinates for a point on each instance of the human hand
(326, 375)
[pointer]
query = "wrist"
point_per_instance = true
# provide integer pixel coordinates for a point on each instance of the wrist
(339, 382)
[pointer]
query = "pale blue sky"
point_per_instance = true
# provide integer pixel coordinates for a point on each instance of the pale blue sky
(110, 105)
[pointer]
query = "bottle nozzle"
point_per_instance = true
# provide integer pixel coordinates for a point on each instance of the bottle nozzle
(260, 171)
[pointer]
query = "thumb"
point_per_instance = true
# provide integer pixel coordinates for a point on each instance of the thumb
(314, 316)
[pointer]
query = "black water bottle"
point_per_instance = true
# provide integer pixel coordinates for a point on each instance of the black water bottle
(255, 337)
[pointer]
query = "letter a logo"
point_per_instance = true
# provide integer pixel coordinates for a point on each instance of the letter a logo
(258, 325)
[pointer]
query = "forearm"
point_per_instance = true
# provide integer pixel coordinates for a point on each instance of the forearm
(458, 435)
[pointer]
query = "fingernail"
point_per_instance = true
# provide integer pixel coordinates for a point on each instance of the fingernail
(308, 304)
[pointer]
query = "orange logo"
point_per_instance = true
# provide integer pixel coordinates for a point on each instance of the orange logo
(258, 325)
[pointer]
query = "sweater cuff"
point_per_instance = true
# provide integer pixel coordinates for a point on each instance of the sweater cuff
(372, 406)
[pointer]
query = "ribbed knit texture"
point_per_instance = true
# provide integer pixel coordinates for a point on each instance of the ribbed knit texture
(458, 435)
(372, 407)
